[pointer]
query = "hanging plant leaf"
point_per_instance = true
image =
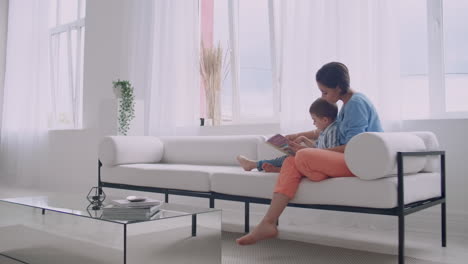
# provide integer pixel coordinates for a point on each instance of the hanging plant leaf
(126, 106)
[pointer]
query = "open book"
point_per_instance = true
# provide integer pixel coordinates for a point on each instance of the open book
(280, 143)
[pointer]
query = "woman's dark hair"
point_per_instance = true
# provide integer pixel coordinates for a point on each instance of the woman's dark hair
(334, 74)
(322, 108)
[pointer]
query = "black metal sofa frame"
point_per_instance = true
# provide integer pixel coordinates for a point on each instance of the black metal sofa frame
(401, 210)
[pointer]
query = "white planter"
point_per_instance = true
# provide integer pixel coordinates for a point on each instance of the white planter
(213, 108)
(208, 122)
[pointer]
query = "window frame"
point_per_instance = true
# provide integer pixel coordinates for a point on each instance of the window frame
(76, 84)
(233, 24)
(436, 63)
(437, 91)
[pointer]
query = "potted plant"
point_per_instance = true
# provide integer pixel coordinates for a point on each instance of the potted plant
(124, 92)
(212, 65)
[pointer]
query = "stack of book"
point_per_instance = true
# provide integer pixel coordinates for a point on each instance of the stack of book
(131, 211)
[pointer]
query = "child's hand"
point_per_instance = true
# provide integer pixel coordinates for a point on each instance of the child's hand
(295, 146)
(302, 139)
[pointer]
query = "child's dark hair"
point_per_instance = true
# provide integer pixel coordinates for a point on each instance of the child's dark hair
(322, 108)
(334, 74)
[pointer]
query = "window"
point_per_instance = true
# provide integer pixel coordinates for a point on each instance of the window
(426, 96)
(243, 27)
(67, 27)
(414, 59)
(456, 55)
(433, 59)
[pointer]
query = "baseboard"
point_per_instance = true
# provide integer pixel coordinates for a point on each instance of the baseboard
(429, 221)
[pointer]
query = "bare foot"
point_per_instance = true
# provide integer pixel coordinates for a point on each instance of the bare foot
(246, 163)
(263, 231)
(267, 167)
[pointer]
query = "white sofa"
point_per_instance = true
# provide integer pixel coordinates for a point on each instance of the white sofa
(206, 166)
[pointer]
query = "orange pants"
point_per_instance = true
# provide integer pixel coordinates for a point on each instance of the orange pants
(315, 164)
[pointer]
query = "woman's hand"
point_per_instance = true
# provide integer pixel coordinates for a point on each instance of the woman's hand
(302, 139)
(292, 137)
(295, 146)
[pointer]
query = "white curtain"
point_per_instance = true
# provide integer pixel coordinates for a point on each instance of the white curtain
(23, 140)
(3, 36)
(363, 34)
(164, 51)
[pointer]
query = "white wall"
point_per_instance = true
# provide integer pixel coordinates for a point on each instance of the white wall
(73, 154)
(452, 136)
(103, 55)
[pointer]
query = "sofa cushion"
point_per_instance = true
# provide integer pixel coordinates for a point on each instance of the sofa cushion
(243, 183)
(380, 193)
(346, 191)
(173, 176)
(209, 150)
(115, 150)
(372, 155)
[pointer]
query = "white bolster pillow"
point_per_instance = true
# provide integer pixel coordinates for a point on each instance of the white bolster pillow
(432, 144)
(117, 150)
(373, 155)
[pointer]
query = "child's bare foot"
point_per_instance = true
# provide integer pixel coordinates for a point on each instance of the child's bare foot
(245, 163)
(263, 231)
(267, 167)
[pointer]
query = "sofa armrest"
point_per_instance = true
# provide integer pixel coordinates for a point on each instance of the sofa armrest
(400, 166)
(118, 150)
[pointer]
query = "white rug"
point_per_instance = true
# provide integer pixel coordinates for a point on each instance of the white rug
(272, 251)
(277, 251)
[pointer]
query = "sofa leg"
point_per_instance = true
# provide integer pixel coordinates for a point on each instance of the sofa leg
(194, 225)
(444, 224)
(212, 202)
(401, 239)
(246, 219)
(166, 197)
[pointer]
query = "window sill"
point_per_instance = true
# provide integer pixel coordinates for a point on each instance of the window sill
(445, 116)
(240, 129)
(55, 131)
(65, 129)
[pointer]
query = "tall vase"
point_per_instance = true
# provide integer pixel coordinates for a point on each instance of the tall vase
(217, 108)
(209, 105)
(213, 106)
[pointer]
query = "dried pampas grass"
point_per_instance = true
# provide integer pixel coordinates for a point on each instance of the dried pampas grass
(213, 70)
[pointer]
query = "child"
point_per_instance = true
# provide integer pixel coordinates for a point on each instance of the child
(323, 114)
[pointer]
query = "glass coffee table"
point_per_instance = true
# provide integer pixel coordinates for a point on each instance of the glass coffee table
(66, 229)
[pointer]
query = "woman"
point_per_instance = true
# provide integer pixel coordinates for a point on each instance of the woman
(357, 115)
